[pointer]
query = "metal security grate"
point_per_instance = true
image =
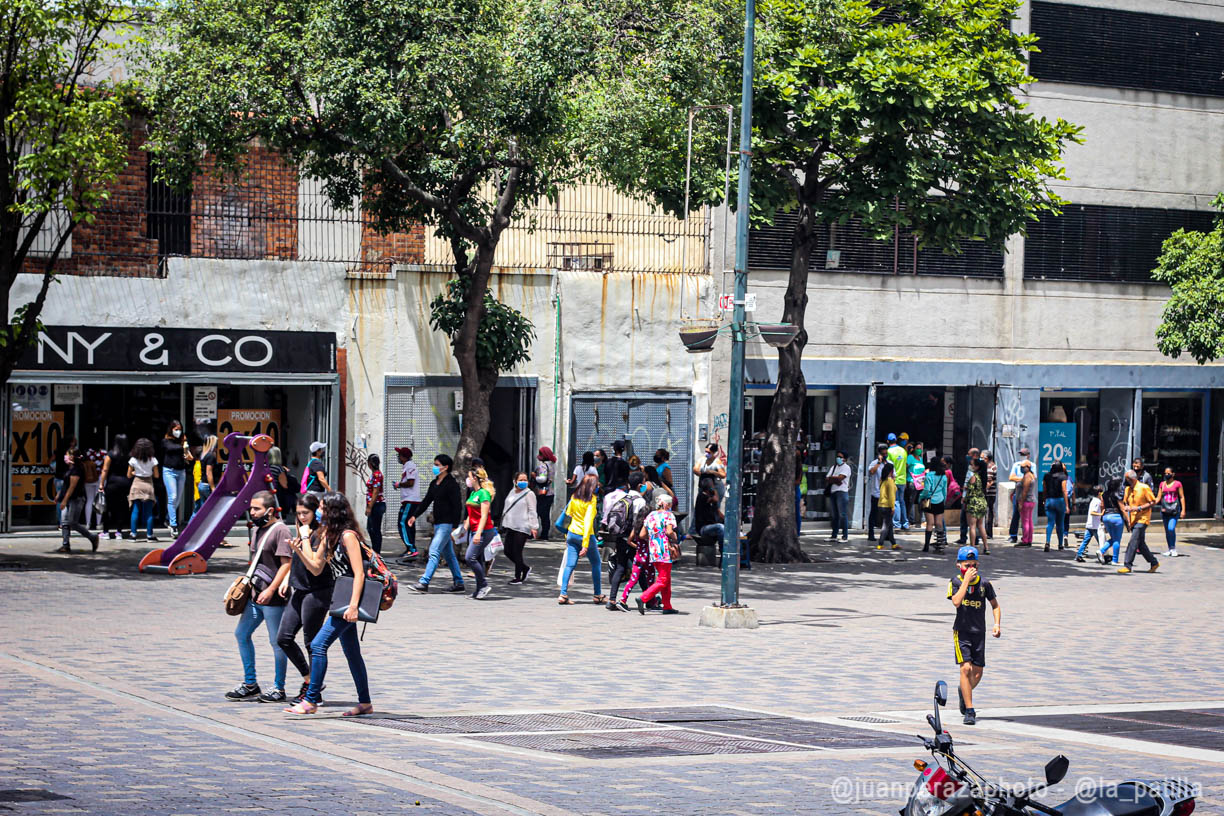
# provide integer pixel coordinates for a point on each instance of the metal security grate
(30, 795)
(876, 720)
(806, 732)
(683, 714)
(424, 419)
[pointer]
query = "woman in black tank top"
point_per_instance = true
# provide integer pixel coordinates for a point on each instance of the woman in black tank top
(339, 551)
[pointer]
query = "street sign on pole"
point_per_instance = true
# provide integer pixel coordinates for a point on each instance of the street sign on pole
(728, 302)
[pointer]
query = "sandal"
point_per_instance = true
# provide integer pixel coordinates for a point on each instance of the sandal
(304, 707)
(599, 599)
(360, 710)
(564, 600)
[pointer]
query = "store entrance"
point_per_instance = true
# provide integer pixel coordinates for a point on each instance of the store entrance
(916, 411)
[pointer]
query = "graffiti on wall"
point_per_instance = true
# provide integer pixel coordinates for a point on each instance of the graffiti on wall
(1115, 443)
(720, 422)
(1011, 414)
(355, 460)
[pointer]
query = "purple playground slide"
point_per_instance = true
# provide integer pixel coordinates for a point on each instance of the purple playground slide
(230, 499)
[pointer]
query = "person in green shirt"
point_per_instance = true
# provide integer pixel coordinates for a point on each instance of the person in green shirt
(915, 471)
(899, 459)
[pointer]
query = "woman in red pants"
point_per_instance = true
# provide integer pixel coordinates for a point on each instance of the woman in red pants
(659, 530)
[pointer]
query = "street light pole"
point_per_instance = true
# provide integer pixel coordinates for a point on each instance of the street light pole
(735, 416)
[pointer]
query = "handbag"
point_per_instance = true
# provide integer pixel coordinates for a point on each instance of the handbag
(1170, 505)
(494, 548)
(239, 593)
(99, 503)
(368, 606)
(563, 521)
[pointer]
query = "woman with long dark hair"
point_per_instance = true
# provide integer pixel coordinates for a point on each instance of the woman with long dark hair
(1057, 502)
(312, 594)
(578, 539)
(142, 470)
(115, 484)
(931, 499)
(174, 460)
(341, 550)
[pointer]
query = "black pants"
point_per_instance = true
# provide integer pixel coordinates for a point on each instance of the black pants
(118, 515)
(306, 612)
(964, 524)
(873, 517)
(991, 498)
(544, 508)
(1138, 542)
(514, 542)
(886, 531)
(621, 564)
(374, 522)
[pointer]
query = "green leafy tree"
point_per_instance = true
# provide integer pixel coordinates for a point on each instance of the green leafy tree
(503, 339)
(895, 113)
(1192, 262)
(449, 113)
(63, 140)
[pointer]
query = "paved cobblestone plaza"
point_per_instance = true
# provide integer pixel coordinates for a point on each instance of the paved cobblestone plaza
(113, 690)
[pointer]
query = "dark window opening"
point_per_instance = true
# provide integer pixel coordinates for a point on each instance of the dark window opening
(1098, 243)
(1127, 49)
(169, 216)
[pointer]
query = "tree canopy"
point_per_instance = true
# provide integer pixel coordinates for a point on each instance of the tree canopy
(1192, 262)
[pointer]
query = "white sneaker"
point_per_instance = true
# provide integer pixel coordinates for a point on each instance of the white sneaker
(482, 593)
(1172, 554)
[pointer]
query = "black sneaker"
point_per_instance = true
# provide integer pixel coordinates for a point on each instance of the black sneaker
(961, 696)
(671, 611)
(64, 548)
(151, 538)
(641, 607)
(94, 542)
(515, 581)
(274, 696)
(1079, 558)
(612, 607)
(622, 606)
(247, 691)
(970, 717)
(527, 574)
(419, 587)
(457, 588)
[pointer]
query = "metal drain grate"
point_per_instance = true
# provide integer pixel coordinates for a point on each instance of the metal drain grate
(876, 720)
(499, 723)
(806, 732)
(30, 795)
(628, 744)
(683, 714)
(1188, 728)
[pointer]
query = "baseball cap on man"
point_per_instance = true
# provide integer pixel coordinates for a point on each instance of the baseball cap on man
(892, 437)
(967, 553)
(315, 447)
(404, 451)
(1025, 451)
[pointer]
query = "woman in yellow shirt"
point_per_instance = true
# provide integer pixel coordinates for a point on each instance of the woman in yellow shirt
(582, 510)
(888, 501)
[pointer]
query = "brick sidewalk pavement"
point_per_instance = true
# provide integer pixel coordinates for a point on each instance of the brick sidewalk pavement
(100, 657)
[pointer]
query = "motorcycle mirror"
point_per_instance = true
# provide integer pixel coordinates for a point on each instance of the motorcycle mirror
(941, 693)
(1056, 769)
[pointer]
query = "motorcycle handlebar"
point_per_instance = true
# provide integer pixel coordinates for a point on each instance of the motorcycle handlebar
(1049, 811)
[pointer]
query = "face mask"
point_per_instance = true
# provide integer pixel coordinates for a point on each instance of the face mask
(658, 460)
(319, 516)
(259, 521)
(841, 461)
(470, 484)
(437, 470)
(642, 489)
(963, 568)
(177, 432)
(521, 485)
(1168, 477)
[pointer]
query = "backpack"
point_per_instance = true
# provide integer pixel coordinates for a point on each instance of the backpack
(954, 489)
(618, 517)
(306, 473)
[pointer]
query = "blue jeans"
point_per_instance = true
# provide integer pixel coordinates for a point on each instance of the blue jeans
(900, 513)
(205, 490)
(1170, 525)
(1113, 532)
(1089, 535)
(798, 509)
(442, 547)
(252, 616)
(841, 512)
(174, 481)
(334, 628)
(573, 546)
(142, 513)
(1056, 519)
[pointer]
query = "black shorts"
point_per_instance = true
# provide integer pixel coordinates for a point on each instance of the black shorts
(934, 509)
(970, 648)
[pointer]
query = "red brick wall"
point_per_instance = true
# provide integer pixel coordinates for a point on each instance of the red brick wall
(253, 216)
(379, 252)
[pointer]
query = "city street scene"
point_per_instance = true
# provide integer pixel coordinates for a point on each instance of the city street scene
(852, 367)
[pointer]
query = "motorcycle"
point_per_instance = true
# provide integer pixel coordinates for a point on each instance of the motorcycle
(949, 787)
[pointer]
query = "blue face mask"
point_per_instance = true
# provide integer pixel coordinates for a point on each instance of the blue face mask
(841, 461)
(319, 515)
(642, 489)
(437, 470)
(521, 485)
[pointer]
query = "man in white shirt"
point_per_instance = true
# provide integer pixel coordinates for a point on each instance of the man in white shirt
(1016, 477)
(874, 470)
(839, 479)
(409, 485)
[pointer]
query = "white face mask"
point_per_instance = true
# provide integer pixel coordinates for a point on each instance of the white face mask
(177, 432)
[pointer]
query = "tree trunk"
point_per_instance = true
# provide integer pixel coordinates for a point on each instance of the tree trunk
(478, 383)
(773, 538)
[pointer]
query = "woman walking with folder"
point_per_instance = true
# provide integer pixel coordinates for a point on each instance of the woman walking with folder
(341, 551)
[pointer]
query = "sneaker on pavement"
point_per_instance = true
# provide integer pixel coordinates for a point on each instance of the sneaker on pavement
(1123, 570)
(1171, 554)
(1154, 567)
(1080, 559)
(419, 587)
(879, 546)
(274, 696)
(970, 717)
(515, 581)
(622, 606)
(526, 575)
(64, 548)
(482, 593)
(247, 691)
(94, 542)
(457, 588)
(671, 611)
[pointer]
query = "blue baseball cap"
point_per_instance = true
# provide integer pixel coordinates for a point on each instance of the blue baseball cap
(892, 437)
(967, 553)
